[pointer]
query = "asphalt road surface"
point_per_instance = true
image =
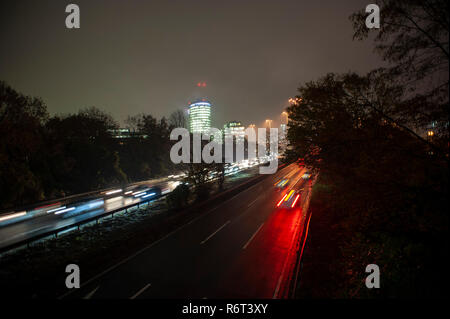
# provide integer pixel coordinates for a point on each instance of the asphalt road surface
(40, 220)
(239, 249)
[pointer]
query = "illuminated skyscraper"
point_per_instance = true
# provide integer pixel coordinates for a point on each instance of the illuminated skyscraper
(200, 116)
(236, 129)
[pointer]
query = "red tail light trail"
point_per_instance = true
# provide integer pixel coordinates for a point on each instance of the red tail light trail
(279, 203)
(295, 201)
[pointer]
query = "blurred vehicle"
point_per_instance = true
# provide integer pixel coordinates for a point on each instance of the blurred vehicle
(176, 177)
(307, 175)
(156, 190)
(282, 184)
(136, 190)
(289, 200)
(144, 192)
(78, 207)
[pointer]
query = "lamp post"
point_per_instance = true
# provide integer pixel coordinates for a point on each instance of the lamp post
(295, 101)
(287, 116)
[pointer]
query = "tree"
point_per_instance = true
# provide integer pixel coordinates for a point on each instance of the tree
(219, 170)
(179, 197)
(84, 154)
(43, 157)
(178, 119)
(202, 175)
(414, 39)
(197, 175)
(146, 153)
(383, 185)
(414, 36)
(388, 195)
(21, 147)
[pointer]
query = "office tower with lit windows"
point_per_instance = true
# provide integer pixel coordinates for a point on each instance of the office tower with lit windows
(234, 128)
(200, 116)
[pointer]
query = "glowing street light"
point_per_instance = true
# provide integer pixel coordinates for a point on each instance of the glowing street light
(295, 101)
(287, 116)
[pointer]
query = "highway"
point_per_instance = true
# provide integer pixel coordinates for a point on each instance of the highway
(239, 249)
(25, 224)
(40, 220)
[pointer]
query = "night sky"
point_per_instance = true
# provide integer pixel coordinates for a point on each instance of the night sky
(147, 56)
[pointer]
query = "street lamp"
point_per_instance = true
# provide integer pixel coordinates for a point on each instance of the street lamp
(295, 101)
(287, 116)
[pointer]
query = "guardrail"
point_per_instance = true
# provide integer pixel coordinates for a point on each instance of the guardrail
(55, 232)
(77, 196)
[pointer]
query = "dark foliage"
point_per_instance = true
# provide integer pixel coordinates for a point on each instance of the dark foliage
(383, 183)
(43, 157)
(179, 197)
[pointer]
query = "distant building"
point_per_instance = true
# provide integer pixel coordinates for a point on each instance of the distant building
(234, 128)
(200, 116)
(120, 133)
(431, 130)
(123, 133)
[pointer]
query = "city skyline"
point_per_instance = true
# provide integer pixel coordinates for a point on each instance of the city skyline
(145, 64)
(217, 158)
